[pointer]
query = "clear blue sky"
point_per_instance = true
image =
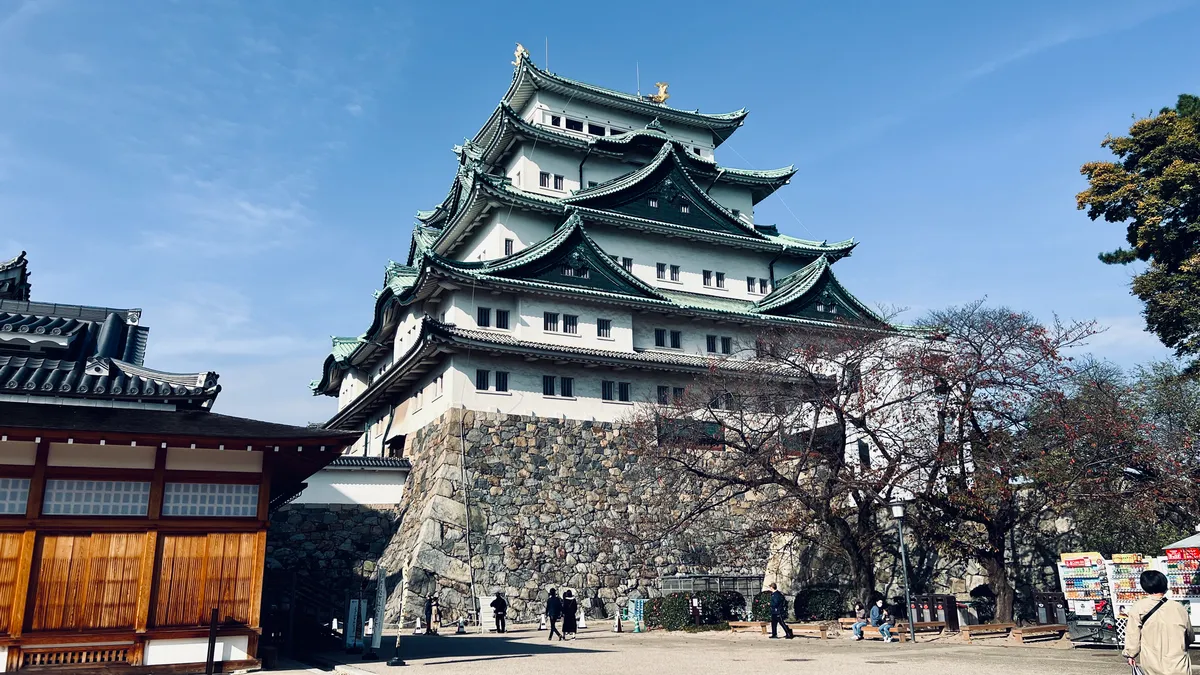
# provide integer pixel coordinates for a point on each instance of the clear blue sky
(243, 170)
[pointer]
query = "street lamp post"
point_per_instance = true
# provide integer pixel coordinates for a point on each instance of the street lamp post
(898, 514)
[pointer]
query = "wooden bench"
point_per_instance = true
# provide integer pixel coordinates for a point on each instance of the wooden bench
(764, 627)
(929, 626)
(899, 632)
(1034, 633)
(986, 629)
(847, 622)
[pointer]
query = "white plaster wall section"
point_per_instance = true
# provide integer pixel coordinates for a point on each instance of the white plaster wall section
(354, 382)
(532, 324)
(525, 395)
(463, 309)
(425, 402)
(694, 335)
(195, 650)
(232, 458)
(549, 102)
(18, 453)
(733, 197)
(354, 486)
(555, 161)
(108, 456)
(525, 228)
(647, 250)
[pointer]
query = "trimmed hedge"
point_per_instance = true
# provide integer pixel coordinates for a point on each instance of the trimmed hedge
(818, 604)
(761, 609)
(674, 611)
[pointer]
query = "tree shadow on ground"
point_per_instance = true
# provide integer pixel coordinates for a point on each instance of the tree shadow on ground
(518, 643)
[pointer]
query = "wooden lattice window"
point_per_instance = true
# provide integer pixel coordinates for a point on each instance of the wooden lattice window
(10, 558)
(200, 572)
(87, 581)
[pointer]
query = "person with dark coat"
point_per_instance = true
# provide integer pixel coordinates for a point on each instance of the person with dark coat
(881, 620)
(430, 606)
(779, 614)
(500, 608)
(554, 612)
(570, 609)
(860, 620)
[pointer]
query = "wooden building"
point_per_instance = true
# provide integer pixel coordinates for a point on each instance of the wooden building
(128, 511)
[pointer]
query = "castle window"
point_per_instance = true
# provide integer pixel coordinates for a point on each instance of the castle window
(608, 390)
(653, 203)
(210, 499)
(708, 277)
(592, 183)
(864, 454)
(483, 379)
(501, 380)
(549, 385)
(833, 309)
(710, 343)
(96, 498)
(558, 182)
(570, 324)
(623, 391)
(664, 395)
(613, 131)
(595, 129)
(751, 284)
(483, 316)
(676, 394)
(550, 322)
(820, 307)
(566, 386)
(604, 328)
(567, 270)
(627, 263)
(762, 286)
(726, 345)
(660, 337)
(502, 319)
(661, 270)
(555, 121)
(685, 208)
(544, 179)
(720, 280)
(676, 339)
(696, 150)
(674, 272)
(574, 125)
(508, 247)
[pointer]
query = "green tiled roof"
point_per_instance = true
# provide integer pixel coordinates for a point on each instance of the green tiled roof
(528, 78)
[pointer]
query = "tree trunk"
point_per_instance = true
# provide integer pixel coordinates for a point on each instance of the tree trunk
(997, 572)
(862, 565)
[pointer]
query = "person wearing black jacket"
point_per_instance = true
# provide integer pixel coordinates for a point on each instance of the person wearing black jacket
(554, 612)
(500, 607)
(779, 613)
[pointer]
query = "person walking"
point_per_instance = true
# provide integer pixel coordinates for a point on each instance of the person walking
(554, 611)
(860, 620)
(435, 615)
(500, 608)
(570, 611)
(779, 613)
(881, 620)
(1159, 630)
(429, 615)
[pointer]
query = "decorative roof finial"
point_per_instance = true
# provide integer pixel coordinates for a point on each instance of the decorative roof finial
(661, 95)
(521, 53)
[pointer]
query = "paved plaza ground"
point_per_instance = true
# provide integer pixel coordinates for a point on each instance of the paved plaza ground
(597, 651)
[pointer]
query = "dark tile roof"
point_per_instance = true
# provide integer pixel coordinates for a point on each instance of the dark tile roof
(358, 462)
(14, 279)
(164, 423)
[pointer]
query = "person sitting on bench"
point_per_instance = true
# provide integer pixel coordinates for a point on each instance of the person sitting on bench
(860, 620)
(881, 620)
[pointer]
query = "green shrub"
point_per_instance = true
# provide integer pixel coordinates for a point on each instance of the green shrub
(818, 604)
(674, 611)
(724, 625)
(733, 606)
(761, 609)
(653, 612)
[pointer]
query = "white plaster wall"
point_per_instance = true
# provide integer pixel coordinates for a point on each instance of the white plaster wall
(20, 453)
(195, 650)
(431, 407)
(353, 384)
(462, 305)
(551, 159)
(694, 335)
(601, 169)
(531, 309)
(353, 486)
(525, 388)
(692, 257)
(407, 331)
(525, 228)
(108, 456)
(233, 458)
(733, 197)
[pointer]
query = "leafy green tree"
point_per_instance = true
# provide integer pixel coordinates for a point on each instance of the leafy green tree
(1154, 188)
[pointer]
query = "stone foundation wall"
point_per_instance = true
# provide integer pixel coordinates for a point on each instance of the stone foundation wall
(324, 543)
(548, 499)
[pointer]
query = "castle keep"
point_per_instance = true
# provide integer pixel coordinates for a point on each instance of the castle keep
(591, 254)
